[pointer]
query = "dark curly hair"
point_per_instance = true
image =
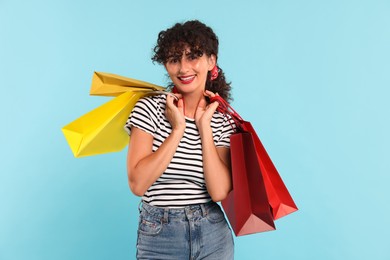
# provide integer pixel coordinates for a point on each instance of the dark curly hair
(201, 40)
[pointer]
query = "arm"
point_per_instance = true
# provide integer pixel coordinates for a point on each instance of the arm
(216, 166)
(144, 166)
(216, 161)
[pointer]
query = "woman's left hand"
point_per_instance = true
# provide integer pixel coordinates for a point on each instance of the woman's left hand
(216, 161)
(205, 112)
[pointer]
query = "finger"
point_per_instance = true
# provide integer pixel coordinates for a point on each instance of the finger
(169, 100)
(209, 93)
(202, 103)
(214, 105)
(180, 105)
(211, 108)
(173, 96)
(176, 96)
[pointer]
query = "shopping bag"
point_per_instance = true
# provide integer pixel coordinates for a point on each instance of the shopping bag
(278, 195)
(107, 84)
(246, 206)
(101, 130)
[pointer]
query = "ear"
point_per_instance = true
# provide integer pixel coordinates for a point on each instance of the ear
(212, 61)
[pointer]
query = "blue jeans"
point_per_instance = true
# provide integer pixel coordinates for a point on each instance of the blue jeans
(193, 232)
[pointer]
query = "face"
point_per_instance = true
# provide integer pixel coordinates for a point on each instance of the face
(189, 72)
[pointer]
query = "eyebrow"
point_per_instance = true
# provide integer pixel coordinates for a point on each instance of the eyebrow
(178, 54)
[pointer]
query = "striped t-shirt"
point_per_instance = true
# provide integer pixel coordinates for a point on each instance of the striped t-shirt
(182, 183)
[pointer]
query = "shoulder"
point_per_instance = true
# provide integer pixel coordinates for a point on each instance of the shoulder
(223, 122)
(220, 118)
(152, 103)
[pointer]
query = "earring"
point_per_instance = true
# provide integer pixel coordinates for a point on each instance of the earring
(214, 73)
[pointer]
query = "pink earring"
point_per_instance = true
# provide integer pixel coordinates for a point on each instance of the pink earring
(214, 72)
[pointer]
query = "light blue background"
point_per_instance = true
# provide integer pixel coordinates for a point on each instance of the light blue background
(312, 76)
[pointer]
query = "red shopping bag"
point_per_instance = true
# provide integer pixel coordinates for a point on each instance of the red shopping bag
(247, 206)
(279, 197)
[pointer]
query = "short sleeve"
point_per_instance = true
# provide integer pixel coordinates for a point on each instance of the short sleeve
(227, 129)
(143, 116)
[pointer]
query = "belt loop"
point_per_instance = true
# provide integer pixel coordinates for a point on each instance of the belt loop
(204, 210)
(166, 212)
(139, 206)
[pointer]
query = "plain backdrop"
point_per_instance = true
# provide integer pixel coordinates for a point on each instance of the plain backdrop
(313, 77)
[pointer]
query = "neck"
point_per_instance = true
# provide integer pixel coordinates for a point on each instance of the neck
(191, 102)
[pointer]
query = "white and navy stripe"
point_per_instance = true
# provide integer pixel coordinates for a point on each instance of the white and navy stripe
(182, 183)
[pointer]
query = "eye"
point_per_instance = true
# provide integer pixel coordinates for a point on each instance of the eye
(192, 56)
(173, 60)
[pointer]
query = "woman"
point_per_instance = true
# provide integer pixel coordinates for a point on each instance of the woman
(178, 157)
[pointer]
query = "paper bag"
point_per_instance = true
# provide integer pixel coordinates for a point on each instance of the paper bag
(279, 197)
(101, 130)
(106, 84)
(247, 206)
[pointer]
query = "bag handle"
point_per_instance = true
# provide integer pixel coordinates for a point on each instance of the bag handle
(227, 109)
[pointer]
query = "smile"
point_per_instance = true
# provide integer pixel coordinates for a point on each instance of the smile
(186, 79)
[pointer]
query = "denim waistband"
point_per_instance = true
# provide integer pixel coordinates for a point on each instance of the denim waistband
(189, 211)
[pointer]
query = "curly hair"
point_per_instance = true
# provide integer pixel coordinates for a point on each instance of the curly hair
(201, 39)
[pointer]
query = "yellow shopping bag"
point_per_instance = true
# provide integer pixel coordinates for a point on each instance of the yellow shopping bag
(101, 130)
(107, 84)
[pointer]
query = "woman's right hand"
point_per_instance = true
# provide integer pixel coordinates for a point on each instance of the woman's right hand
(175, 114)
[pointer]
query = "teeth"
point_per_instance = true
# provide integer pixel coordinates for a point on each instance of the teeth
(187, 78)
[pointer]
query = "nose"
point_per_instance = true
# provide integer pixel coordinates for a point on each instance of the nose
(184, 65)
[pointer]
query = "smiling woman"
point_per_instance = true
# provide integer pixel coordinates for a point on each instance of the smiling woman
(189, 72)
(178, 157)
(192, 40)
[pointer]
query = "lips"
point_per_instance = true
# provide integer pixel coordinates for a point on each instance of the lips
(186, 79)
